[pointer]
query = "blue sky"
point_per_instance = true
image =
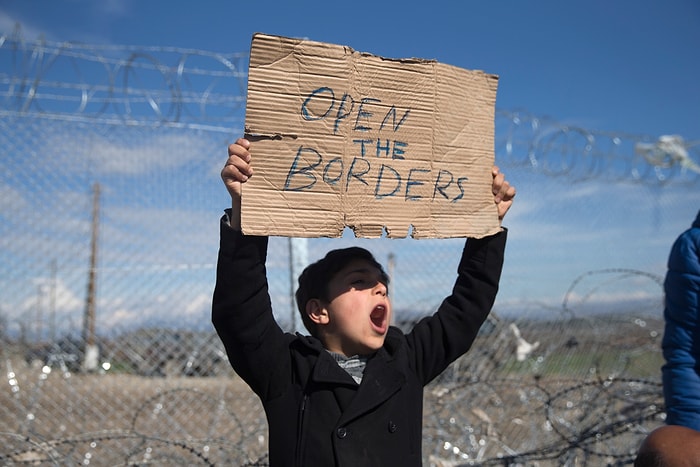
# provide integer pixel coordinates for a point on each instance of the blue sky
(623, 67)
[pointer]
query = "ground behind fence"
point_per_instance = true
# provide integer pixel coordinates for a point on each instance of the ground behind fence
(576, 399)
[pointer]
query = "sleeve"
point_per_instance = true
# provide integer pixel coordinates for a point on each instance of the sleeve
(440, 339)
(242, 311)
(681, 340)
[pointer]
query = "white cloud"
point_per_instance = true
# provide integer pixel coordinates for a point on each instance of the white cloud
(120, 318)
(117, 156)
(110, 8)
(27, 31)
(52, 302)
(11, 199)
(199, 305)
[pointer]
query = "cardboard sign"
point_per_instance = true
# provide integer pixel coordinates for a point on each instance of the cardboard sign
(391, 147)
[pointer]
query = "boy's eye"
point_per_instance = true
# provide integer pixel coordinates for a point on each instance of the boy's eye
(360, 281)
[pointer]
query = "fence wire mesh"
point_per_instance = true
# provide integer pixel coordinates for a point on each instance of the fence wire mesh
(108, 353)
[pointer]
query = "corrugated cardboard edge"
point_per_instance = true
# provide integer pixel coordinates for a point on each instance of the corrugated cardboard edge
(274, 222)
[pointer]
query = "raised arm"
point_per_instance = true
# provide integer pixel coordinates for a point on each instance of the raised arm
(241, 309)
(238, 170)
(442, 338)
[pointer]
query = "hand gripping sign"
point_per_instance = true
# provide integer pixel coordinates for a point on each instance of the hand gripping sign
(383, 146)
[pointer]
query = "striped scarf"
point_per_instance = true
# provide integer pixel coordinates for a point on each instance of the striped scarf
(355, 365)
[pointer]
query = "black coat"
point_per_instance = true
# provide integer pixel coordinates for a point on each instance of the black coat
(317, 415)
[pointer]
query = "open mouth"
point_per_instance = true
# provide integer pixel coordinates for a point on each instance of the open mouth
(378, 318)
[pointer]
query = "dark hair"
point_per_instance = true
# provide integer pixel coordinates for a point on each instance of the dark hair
(314, 280)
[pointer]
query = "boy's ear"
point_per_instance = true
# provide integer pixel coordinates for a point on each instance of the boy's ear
(316, 311)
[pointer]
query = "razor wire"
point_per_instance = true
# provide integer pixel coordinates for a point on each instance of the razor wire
(122, 85)
(556, 149)
(492, 410)
(191, 88)
(580, 393)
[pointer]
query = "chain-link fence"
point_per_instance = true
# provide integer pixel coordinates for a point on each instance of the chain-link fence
(110, 195)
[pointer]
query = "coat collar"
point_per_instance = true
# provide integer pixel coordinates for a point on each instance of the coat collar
(380, 381)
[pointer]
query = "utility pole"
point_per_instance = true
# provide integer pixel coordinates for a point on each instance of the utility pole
(52, 303)
(298, 258)
(390, 273)
(292, 277)
(91, 355)
(38, 331)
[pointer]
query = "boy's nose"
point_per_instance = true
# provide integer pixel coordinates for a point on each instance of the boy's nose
(380, 289)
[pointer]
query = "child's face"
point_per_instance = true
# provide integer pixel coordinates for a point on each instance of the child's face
(359, 311)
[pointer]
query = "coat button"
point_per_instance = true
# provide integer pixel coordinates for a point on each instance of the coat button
(342, 432)
(392, 427)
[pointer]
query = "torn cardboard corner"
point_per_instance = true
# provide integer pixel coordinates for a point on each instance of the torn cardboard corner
(383, 146)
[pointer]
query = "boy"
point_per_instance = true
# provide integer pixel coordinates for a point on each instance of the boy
(350, 394)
